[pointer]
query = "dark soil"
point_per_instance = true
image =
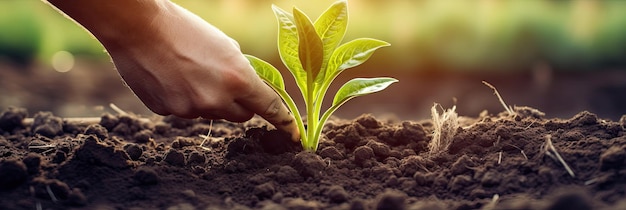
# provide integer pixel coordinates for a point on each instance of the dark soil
(494, 162)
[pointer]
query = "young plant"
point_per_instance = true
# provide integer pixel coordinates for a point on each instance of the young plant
(311, 52)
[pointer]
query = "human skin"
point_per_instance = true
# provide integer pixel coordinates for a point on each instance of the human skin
(177, 63)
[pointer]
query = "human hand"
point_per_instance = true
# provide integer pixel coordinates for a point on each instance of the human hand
(179, 64)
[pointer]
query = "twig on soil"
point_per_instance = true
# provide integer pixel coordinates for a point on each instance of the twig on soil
(76, 120)
(591, 181)
(51, 194)
(531, 123)
(520, 150)
(117, 109)
(507, 108)
(550, 150)
(499, 157)
(51, 146)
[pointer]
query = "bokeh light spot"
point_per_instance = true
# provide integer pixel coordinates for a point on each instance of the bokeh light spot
(62, 61)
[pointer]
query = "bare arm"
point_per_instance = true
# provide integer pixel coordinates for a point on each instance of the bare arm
(177, 63)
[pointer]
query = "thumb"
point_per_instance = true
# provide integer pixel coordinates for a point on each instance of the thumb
(267, 104)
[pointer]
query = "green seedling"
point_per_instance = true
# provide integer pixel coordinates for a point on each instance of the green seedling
(311, 52)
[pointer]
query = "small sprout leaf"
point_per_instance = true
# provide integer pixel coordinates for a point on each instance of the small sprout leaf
(288, 46)
(352, 54)
(267, 72)
(361, 86)
(331, 27)
(310, 48)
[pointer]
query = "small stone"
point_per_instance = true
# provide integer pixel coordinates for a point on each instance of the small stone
(174, 157)
(12, 174)
(134, 151)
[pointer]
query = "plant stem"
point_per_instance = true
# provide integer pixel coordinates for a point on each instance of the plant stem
(310, 120)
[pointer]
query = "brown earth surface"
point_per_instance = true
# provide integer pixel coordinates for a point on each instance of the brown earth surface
(127, 162)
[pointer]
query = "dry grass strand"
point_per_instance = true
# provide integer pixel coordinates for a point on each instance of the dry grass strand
(445, 128)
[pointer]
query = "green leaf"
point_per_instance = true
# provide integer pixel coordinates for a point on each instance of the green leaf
(360, 86)
(331, 27)
(310, 48)
(288, 46)
(267, 72)
(352, 54)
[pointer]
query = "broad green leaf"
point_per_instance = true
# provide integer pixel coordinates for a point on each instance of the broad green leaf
(361, 86)
(310, 48)
(267, 72)
(288, 46)
(352, 54)
(331, 27)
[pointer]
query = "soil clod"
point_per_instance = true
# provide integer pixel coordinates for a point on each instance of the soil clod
(47, 124)
(12, 118)
(146, 176)
(174, 157)
(12, 174)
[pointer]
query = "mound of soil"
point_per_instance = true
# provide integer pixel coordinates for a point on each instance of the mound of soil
(494, 162)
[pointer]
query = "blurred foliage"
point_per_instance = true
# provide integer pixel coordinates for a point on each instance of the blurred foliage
(426, 35)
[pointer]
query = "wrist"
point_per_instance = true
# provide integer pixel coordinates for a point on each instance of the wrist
(116, 23)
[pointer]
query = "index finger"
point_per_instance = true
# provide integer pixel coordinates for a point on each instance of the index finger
(267, 104)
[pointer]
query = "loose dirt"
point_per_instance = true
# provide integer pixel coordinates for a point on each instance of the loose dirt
(494, 162)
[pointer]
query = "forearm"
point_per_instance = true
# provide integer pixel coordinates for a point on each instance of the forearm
(116, 22)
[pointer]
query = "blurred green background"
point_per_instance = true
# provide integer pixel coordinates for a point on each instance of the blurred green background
(428, 37)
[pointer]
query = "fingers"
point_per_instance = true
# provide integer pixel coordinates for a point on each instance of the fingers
(233, 113)
(267, 104)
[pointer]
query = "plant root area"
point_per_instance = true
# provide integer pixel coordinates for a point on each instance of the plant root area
(495, 161)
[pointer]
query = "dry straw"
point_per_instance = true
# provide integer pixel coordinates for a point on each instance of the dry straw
(445, 128)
